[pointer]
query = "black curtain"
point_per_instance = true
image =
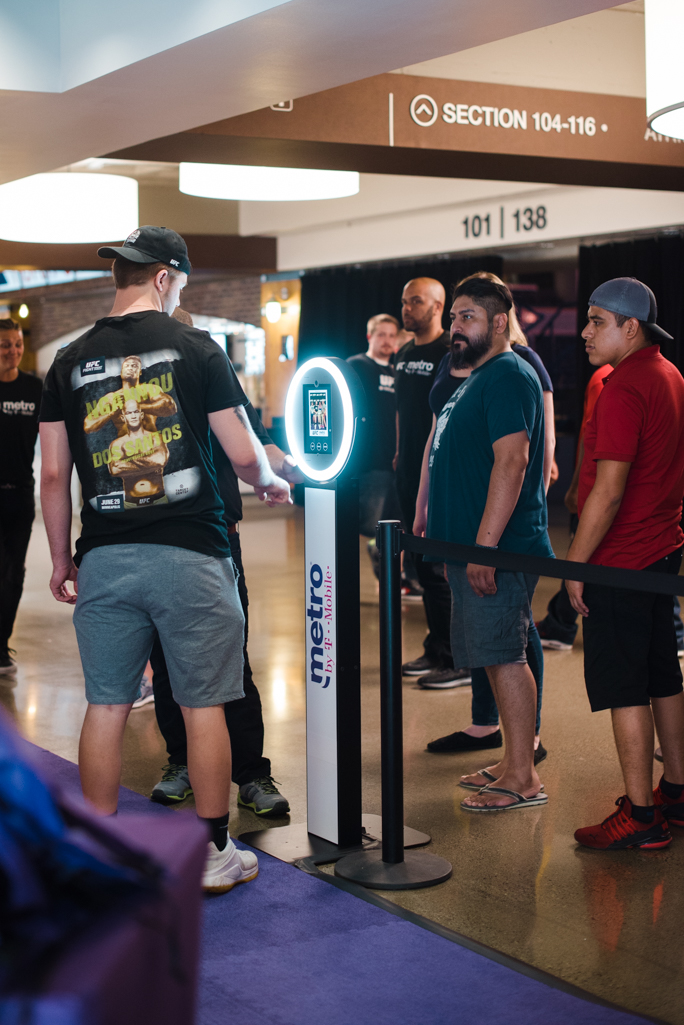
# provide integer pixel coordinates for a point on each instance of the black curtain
(338, 301)
(659, 263)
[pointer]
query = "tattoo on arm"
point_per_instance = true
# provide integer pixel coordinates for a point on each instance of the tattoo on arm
(242, 416)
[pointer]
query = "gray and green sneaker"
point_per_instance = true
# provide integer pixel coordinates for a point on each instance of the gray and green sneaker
(173, 786)
(263, 797)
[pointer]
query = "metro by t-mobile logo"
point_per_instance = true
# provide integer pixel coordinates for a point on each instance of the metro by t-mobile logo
(315, 614)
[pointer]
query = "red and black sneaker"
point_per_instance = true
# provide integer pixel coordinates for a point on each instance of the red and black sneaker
(673, 810)
(620, 831)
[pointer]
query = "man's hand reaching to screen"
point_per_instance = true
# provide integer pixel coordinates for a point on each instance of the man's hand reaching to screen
(248, 456)
(283, 465)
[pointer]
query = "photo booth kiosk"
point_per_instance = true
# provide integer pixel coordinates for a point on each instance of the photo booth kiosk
(324, 425)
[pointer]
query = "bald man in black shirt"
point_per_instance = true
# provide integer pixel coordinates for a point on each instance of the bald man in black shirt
(422, 305)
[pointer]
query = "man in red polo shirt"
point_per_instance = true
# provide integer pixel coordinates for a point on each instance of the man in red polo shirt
(630, 504)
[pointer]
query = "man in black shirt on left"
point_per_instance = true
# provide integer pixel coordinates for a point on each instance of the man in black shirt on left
(19, 408)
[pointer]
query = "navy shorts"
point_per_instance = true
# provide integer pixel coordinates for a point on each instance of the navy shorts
(129, 593)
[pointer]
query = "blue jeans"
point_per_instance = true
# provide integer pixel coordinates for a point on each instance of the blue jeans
(483, 707)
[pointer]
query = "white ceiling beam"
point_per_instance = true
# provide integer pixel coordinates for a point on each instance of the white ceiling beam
(291, 50)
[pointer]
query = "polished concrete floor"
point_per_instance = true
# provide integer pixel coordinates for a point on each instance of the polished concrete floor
(610, 923)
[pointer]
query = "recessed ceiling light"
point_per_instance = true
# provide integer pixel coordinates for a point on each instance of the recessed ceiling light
(68, 208)
(664, 81)
(265, 184)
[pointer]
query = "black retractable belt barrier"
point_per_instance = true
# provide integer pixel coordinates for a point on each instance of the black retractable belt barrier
(607, 576)
(393, 868)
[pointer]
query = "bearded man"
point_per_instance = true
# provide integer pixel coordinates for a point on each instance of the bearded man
(487, 489)
(422, 306)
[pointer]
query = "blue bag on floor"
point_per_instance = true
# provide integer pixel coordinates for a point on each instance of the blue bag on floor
(60, 869)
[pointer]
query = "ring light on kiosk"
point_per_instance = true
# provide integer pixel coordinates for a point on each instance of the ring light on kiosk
(318, 424)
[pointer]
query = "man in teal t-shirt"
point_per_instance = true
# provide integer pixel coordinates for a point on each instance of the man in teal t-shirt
(487, 489)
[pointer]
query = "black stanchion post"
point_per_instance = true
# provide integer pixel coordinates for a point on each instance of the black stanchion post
(393, 868)
(391, 713)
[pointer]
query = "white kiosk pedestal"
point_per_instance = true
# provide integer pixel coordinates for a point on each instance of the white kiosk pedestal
(320, 420)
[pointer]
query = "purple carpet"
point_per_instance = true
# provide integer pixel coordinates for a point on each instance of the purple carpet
(291, 949)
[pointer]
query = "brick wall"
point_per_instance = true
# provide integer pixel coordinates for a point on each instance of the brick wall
(234, 298)
(60, 309)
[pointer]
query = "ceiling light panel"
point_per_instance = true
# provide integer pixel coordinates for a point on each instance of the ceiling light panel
(68, 208)
(265, 184)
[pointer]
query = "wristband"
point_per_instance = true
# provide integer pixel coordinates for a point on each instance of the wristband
(491, 548)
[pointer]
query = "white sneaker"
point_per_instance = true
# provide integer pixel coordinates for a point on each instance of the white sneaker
(225, 869)
(146, 695)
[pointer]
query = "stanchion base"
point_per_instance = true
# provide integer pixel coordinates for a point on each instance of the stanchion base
(417, 870)
(372, 825)
(292, 843)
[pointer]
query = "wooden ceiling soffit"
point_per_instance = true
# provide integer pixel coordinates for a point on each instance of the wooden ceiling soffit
(248, 255)
(403, 124)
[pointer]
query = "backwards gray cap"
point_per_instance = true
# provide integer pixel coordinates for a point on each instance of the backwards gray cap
(631, 298)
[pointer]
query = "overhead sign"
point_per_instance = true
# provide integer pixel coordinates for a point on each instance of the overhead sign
(437, 113)
(405, 124)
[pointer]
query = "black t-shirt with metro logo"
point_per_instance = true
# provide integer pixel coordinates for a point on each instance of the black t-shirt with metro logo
(19, 408)
(134, 393)
(415, 368)
(381, 409)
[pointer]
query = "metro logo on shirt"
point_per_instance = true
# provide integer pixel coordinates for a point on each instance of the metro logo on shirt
(416, 366)
(20, 408)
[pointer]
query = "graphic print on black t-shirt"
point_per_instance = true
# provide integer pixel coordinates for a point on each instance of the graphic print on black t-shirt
(135, 393)
(135, 432)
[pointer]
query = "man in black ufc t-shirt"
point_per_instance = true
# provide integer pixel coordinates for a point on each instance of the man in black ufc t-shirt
(132, 403)
(19, 409)
(251, 771)
(422, 305)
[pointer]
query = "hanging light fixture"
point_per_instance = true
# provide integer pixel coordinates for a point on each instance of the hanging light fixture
(265, 184)
(664, 69)
(68, 207)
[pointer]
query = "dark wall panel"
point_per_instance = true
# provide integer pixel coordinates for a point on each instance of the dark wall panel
(338, 301)
(659, 263)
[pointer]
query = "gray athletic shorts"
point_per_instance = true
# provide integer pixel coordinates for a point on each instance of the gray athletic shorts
(126, 593)
(492, 630)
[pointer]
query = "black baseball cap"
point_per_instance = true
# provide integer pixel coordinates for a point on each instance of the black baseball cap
(150, 244)
(631, 298)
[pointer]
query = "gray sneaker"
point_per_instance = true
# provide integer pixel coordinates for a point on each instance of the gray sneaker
(174, 785)
(263, 797)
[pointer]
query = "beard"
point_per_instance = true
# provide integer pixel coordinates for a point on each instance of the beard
(416, 324)
(472, 351)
